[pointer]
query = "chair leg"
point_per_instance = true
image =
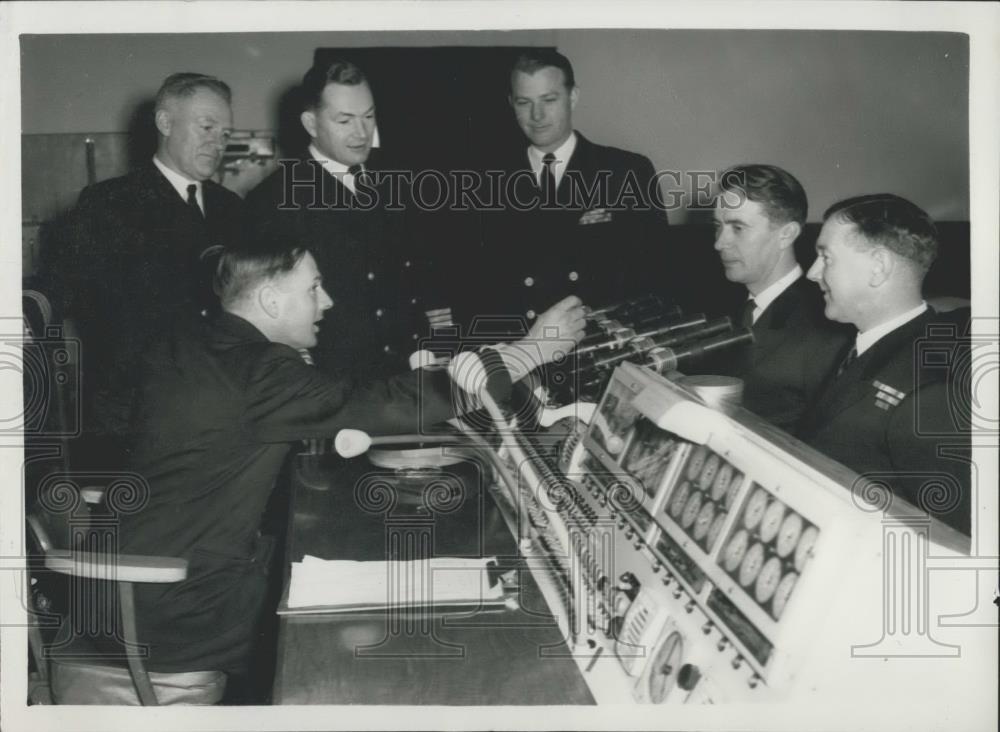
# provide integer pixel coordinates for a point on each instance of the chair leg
(143, 686)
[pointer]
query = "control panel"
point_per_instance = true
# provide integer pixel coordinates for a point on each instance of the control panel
(692, 555)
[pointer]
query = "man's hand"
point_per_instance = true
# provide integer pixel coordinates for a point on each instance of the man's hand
(563, 322)
(553, 336)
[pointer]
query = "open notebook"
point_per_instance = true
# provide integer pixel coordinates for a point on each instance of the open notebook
(325, 586)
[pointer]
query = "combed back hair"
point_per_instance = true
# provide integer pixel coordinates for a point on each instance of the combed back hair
(242, 268)
(777, 191)
(893, 222)
(335, 72)
(535, 59)
(186, 83)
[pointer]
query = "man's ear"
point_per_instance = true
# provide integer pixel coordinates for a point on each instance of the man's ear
(574, 96)
(163, 121)
(270, 303)
(883, 264)
(308, 119)
(788, 233)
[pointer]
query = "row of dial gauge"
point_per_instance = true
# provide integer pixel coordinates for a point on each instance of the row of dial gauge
(767, 548)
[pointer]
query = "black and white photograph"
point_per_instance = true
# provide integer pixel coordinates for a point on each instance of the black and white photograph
(482, 365)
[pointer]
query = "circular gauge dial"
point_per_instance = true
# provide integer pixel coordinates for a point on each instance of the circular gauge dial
(720, 486)
(735, 550)
(679, 499)
(704, 521)
(803, 550)
(715, 529)
(752, 562)
(691, 509)
(788, 534)
(782, 593)
(696, 462)
(767, 580)
(771, 521)
(734, 490)
(755, 508)
(709, 472)
(664, 665)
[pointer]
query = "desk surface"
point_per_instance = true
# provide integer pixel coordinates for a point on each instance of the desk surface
(493, 656)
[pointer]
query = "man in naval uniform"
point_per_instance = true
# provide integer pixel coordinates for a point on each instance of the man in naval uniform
(333, 203)
(760, 212)
(889, 411)
(221, 402)
(135, 251)
(577, 217)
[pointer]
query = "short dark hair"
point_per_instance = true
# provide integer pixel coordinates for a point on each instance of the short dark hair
(186, 83)
(777, 191)
(535, 59)
(260, 258)
(316, 79)
(893, 222)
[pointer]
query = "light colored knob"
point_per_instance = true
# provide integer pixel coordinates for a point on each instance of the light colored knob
(349, 443)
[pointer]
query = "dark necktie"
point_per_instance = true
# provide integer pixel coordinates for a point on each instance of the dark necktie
(548, 178)
(361, 175)
(192, 200)
(746, 317)
(850, 358)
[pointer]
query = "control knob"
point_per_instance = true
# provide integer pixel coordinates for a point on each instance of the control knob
(629, 585)
(688, 676)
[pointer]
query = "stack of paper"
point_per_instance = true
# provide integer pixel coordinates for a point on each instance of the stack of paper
(341, 584)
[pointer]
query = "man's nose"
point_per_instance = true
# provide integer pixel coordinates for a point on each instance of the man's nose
(719, 243)
(816, 271)
(325, 302)
(537, 112)
(359, 129)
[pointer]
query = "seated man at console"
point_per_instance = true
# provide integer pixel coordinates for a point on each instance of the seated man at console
(759, 213)
(221, 402)
(889, 412)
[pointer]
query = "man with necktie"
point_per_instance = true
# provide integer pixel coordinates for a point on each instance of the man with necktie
(576, 217)
(331, 201)
(896, 408)
(136, 251)
(759, 213)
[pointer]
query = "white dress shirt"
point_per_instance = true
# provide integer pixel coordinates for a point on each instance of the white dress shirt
(871, 336)
(181, 183)
(771, 293)
(562, 153)
(335, 168)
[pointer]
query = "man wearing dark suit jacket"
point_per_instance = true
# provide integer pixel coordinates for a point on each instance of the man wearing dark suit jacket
(222, 399)
(759, 213)
(135, 245)
(889, 412)
(335, 203)
(577, 217)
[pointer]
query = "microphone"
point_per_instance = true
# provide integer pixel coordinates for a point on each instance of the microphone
(350, 442)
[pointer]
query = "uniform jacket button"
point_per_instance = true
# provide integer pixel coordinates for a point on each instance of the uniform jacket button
(529, 281)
